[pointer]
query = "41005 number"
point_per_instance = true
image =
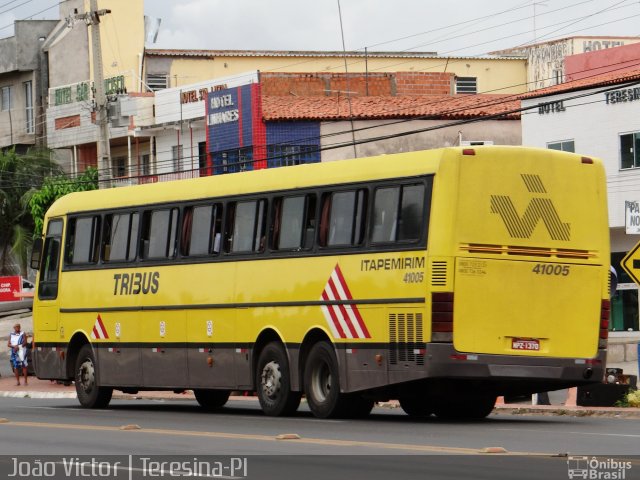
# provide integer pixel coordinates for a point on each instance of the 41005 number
(551, 269)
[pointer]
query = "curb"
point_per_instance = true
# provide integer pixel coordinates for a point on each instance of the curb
(559, 411)
(32, 394)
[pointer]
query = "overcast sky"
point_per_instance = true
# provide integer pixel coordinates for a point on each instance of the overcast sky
(462, 27)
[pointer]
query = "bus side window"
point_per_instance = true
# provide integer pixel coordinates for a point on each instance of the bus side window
(198, 230)
(294, 222)
(119, 237)
(346, 220)
(216, 228)
(411, 212)
(398, 213)
(385, 214)
(249, 223)
(83, 239)
(159, 233)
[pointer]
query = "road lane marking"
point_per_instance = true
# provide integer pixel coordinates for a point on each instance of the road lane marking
(632, 435)
(267, 438)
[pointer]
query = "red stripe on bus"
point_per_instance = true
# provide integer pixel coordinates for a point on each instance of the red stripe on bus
(343, 311)
(363, 326)
(336, 322)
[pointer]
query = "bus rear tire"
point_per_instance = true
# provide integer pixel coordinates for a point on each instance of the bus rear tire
(359, 406)
(418, 407)
(273, 382)
(472, 407)
(212, 400)
(90, 393)
(322, 384)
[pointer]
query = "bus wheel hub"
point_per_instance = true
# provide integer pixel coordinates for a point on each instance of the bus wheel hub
(271, 379)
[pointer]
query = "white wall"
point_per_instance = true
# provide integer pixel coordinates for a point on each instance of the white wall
(595, 127)
(500, 132)
(168, 138)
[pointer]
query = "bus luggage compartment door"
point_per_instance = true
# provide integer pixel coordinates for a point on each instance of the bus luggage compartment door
(527, 308)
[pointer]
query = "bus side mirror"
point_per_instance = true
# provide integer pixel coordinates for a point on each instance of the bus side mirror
(36, 253)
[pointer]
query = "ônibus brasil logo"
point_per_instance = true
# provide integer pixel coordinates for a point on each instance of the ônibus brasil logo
(597, 469)
(539, 208)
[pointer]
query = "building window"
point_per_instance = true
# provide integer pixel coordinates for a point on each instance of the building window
(6, 98)
(466, 85)
(176, 155)
(231, 161)
(157, 81)
(287, 155)
(563, 146)
(146, 164)
(119, 165)
(629, 147)
(28, 102)
(556, 76)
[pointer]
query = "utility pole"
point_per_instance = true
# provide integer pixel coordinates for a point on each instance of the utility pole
(92, 20)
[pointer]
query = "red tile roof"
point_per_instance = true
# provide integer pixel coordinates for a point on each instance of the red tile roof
(602, 80)
(380, 107)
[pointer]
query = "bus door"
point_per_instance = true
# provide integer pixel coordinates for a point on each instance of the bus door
(47, 310)
(48, 307)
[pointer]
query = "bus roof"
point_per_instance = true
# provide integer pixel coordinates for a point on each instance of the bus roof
(271, 179)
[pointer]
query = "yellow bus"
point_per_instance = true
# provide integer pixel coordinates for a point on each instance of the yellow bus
(440, 278)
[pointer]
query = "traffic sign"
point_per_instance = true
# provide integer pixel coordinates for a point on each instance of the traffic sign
(631, 263)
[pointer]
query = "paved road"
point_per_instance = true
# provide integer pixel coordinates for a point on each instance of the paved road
(387, 442)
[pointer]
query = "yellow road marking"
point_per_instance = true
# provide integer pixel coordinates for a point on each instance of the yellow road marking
(262, 438)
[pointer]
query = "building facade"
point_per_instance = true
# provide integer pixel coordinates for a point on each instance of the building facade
(546, 60)
(23, 85)
(597, 116)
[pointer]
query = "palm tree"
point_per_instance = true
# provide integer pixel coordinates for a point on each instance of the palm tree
(20, 176)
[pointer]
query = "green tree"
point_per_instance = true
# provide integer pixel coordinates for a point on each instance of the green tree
(20, 175)
(55, 187)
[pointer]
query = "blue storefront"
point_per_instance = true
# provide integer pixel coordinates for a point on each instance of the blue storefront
(238, 139)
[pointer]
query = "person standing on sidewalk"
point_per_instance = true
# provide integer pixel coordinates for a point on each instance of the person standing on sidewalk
(18, 345)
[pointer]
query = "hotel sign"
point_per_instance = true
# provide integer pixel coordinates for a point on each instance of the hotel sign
(623, 95)
(83, 91)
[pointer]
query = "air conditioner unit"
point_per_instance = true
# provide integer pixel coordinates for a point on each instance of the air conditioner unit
(116, 119)
(473, 143)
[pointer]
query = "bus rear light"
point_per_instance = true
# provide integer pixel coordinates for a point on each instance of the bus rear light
(442, 316)
(593, 361)
(587, 160)
(605, 313)
(468, 151)
(463, 356)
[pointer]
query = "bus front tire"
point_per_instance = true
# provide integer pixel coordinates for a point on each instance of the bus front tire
(322, 384)
(90, 393)
(273, 382)
(212, 400)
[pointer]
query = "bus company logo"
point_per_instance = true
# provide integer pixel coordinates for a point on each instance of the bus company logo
(597, 469)
(343, 318)
(99, 332)
(539, 208)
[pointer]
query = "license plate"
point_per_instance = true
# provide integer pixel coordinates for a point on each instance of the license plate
(525, 344)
